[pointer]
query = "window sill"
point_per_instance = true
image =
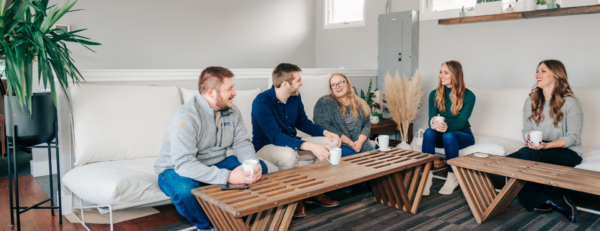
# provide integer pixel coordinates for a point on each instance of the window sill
(342, 25)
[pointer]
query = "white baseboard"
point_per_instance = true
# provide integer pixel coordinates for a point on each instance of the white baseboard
(40, 168)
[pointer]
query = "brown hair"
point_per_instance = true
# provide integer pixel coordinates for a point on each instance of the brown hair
(284, 72)
(212, 77)
(458, 89)
(355, 101)
(560, 91)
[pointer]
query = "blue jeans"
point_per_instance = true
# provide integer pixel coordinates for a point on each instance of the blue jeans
(179, 189)
(346, 151)
(452, 142)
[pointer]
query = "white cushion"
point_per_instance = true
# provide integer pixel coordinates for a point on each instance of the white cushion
(590, 154)
(120, 122)
(188, 94)
(588, 97)
(243, 100)
(498, 112)
(115, 182)
(489, 145)
(593, 165)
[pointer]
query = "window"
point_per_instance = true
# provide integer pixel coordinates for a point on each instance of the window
(344, 13)
(439, 9)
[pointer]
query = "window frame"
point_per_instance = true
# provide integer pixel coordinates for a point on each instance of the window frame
(327, 25)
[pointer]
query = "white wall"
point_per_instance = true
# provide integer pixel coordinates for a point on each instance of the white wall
(193, 34)
(493, 54)
(355, 47)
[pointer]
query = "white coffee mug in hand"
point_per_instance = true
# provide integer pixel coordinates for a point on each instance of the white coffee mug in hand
(250, 165)
(536, 137)
(383, 141)
(335, 156)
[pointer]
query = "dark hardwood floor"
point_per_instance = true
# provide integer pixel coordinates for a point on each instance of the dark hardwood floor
(31, 193)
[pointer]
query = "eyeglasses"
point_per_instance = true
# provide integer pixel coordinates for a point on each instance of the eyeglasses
(339, 84)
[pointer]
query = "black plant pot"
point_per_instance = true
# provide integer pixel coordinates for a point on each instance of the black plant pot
(32, 128)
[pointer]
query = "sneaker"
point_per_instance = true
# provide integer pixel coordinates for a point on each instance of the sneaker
(544, 208)
(564, 205)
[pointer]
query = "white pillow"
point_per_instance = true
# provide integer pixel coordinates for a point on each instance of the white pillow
(593, 154)
(120, 122)
(489, 145)
(243, 100)
(115, 182)
(188, 94)
(593, 165)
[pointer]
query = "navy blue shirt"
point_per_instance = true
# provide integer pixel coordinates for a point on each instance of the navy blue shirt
(275, 122)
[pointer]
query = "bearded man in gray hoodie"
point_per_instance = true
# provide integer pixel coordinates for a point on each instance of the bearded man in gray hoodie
(197, 138)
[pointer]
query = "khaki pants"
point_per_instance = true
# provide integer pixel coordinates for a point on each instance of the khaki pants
(286, 158)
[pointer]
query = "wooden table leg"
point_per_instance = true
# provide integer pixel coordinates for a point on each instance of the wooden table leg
(276, 219)
(481, 194)
(402, 191)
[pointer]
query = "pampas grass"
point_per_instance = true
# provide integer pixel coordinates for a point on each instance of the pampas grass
(403, 96)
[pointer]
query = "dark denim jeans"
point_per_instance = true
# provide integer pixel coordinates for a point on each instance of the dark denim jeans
(533, 195)
(346, 151)
(179, 188)
(452, 142)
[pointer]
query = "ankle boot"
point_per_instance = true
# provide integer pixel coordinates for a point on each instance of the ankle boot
(428, 184)
(450, 185)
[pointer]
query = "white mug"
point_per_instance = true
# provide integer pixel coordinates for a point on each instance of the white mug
(335, 156)
(383, 141)
(250, 165)
(536, 137)
(439, 119)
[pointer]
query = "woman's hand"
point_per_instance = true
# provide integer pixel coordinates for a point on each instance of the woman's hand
(442, 127)
(534, 147)
(357, 146)
(433, 123)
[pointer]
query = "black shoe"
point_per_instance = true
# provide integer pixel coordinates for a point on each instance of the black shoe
(564, 205)
(544, 208)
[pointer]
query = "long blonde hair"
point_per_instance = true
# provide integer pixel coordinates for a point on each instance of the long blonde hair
(560, 91)
(355, 101)
(458, 89)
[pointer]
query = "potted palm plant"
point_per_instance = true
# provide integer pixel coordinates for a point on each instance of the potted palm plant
(28, 39)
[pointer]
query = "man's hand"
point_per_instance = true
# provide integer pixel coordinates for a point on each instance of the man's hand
(239, 176)
(320, 151)
(332, 136)
(357, 146)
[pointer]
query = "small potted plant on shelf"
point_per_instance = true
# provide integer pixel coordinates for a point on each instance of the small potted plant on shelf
(462, 12)
(510, 9)
(542, 4)
(551, 4)
(487, 7)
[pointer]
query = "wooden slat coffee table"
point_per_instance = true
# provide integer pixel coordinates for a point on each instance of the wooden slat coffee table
(472, 174)
(395, 177)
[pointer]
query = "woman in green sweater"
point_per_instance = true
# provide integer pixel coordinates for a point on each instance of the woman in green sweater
(454, 103)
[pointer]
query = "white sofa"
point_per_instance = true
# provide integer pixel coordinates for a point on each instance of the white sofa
(497, 120)
(117, 133)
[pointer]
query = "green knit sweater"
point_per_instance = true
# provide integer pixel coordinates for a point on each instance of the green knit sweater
(455, 122)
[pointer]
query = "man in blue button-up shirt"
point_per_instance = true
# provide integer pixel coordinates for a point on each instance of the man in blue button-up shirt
(276, 113)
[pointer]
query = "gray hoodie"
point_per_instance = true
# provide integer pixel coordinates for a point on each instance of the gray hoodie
(194, 141)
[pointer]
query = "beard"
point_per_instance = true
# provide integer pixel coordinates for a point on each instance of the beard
(294, 92)
(222, 103)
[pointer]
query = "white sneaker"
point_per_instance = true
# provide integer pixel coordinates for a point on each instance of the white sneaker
(450, 185)
(428, 184)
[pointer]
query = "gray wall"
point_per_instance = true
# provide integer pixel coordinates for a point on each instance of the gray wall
(493, 54)
(193, 34)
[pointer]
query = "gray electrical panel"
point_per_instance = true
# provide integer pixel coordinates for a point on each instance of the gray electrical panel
(398, 44)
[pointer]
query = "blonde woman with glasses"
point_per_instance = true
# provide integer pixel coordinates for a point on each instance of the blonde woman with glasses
(345, 114)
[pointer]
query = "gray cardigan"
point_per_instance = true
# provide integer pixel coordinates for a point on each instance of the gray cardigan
(328, 115)
(194, 142)
(568, 130)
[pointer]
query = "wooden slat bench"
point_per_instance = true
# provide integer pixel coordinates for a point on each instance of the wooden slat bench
(472, 174)
(395, 176)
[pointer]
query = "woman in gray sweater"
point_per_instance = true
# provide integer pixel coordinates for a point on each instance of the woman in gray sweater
(345, 114)
(552, 109)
